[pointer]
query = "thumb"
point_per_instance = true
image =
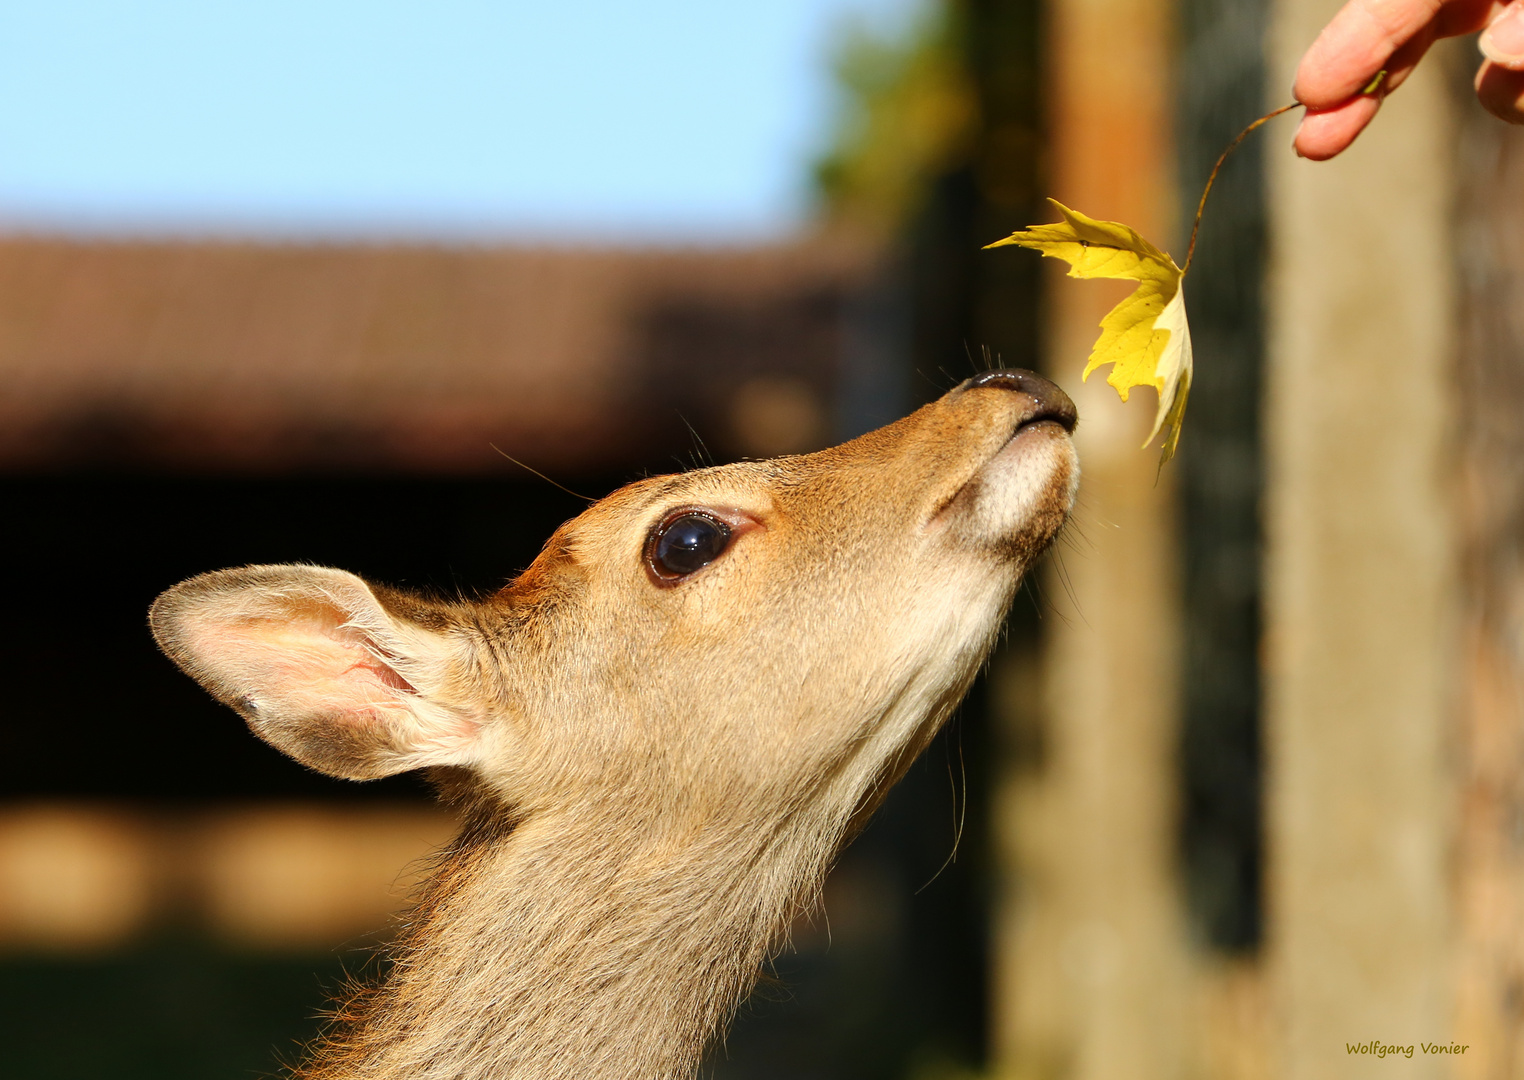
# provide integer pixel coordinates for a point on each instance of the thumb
(1503, 40)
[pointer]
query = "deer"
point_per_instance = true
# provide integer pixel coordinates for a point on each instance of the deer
(659, 735)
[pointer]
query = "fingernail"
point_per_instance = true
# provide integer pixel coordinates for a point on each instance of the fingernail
(1297, 134)
(1503, 41)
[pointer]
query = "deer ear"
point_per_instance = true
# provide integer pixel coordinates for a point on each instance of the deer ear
(319, 668)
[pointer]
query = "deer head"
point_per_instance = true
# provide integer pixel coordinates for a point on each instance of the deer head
(692, 696)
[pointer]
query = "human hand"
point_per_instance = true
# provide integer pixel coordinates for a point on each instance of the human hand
(1367, 36)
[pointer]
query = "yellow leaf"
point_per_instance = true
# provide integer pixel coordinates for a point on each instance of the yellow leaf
(1145, 338)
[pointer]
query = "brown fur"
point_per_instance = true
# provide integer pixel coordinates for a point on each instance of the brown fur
(656, 778)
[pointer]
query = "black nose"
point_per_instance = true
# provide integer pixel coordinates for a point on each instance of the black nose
(1052, 403)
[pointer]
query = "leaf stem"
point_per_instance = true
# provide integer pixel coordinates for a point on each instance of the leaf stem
(1190, 252)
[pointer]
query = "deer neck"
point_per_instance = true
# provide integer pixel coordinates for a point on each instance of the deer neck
(533, 957)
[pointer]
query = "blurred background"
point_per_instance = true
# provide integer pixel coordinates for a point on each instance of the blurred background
(1243, 787)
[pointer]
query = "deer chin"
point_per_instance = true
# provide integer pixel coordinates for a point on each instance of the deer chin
(1018, 500)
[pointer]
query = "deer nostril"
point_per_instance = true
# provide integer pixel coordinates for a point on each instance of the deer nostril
(1052, 403)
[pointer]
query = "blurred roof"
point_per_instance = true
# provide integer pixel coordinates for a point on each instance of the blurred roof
(263, 357)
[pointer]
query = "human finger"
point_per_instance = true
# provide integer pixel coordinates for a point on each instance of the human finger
(1501, 91)
(1325, 132)
(1405, 59)
(1356, 44)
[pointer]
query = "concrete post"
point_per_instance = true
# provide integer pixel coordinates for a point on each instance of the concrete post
(1359, 582)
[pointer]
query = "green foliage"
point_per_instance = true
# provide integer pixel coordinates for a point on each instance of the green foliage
(908, 114)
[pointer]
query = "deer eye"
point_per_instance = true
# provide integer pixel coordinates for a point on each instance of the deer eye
(685, 542)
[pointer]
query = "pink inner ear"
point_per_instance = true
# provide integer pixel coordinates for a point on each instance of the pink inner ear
(383, 674)
(306, 662)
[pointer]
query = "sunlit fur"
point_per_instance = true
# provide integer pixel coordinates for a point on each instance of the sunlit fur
(655, 779)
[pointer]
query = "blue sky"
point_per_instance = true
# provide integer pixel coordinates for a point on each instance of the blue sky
(579, 119)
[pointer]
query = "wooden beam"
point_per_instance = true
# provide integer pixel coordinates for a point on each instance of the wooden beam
(1091, 969)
